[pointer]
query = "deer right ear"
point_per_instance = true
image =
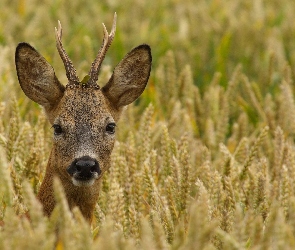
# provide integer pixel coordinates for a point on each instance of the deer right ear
(129, 77)
(36, 77)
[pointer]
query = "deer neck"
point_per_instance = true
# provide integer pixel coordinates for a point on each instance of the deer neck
(82, 197)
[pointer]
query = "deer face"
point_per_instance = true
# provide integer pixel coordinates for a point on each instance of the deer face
(84, 134)
(83, 115)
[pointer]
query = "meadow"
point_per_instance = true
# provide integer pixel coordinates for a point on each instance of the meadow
(205, 159)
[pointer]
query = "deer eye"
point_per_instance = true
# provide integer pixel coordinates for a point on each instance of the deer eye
(57, 129)
(110, 128)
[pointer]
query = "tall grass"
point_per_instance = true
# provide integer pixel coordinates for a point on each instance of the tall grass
(205, 158)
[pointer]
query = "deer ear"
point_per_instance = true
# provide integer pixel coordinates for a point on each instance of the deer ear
(129, 77)
(36, 77)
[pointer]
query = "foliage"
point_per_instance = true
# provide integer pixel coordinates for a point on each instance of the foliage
(205, 158)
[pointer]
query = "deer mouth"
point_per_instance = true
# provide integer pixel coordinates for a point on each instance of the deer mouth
(84, 171)
(83, 182)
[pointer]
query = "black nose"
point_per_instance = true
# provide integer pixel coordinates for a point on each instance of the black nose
(84, 168)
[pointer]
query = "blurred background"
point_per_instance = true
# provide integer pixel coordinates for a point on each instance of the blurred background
(210, 36)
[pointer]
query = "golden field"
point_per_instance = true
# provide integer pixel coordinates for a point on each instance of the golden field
(205, 159)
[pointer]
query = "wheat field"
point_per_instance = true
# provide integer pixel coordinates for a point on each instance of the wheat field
(205, 159)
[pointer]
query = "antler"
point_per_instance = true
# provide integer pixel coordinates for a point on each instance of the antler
(107, 40)
(70, 70)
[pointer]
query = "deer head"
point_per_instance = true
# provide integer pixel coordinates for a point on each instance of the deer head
(83, 116)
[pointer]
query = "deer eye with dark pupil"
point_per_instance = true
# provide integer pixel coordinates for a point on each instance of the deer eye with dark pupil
(110, 128)
(57, 129)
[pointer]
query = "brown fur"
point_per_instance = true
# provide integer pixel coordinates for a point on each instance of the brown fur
(83, 112)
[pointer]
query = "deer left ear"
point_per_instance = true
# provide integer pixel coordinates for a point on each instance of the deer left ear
(36, 77)
(129, 77)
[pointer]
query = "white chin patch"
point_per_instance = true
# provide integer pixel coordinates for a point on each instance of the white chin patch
(80, 183)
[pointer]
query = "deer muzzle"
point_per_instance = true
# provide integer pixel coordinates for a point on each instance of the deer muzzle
(84, 171)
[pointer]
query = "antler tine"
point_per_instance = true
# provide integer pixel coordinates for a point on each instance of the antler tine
(107, 40)
(70, 70)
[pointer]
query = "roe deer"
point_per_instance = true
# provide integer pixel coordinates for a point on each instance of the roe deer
(83, 116)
